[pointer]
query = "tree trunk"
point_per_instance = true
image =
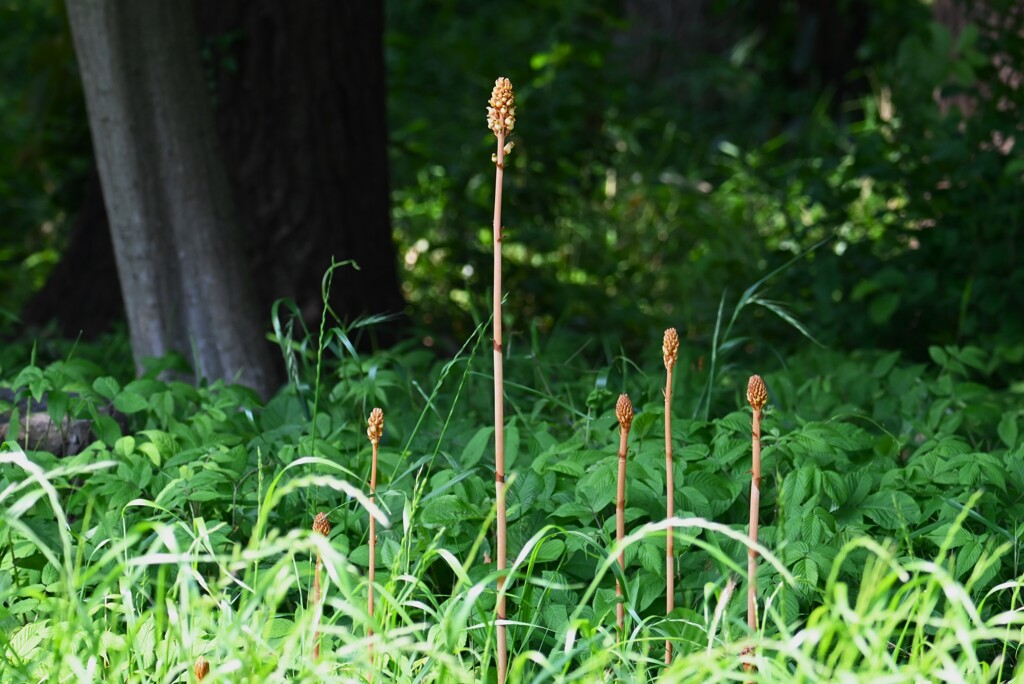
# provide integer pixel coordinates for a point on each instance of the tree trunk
(300, 110)
(168, 200)
(82, 293)
(301, 102)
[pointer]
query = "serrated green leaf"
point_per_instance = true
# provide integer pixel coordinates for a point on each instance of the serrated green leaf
(447, 509)
(891, 510)
(144, 643)
(25, 642)
(966, 558)
(277, 628)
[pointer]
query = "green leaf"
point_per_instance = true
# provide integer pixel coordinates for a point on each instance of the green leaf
(511, 446)
(57, 405)
(474, 449)
(107, 387)
(25, 642)
(966, 558)
(885, 364)
(447, 509)
(550, 550)
(107, 429)
(129, 402)
(938, 356)
(124, 446)
(883, 307)
(1008, 429)
(643, 423)
(597, 488)
(278, 628)
(891, 510)
(144, 643)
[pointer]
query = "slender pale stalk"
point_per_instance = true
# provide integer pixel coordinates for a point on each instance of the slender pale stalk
(501, 113)
(322, 526)
(757, 396)
(624, 412)
(374, 431)
(670, 353)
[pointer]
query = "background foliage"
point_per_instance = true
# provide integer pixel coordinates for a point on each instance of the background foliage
(848, 174)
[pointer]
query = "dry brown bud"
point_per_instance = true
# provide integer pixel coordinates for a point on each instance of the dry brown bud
(321, 524)
(201, 668)
(375, 429)
(670, 348)
(757, 393)
(624, 412)
(501, 110)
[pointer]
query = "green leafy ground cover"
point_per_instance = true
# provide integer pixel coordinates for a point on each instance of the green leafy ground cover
(891, 510)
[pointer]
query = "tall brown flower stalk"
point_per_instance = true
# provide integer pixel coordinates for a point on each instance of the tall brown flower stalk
(624, 412)
(670, 353)
(757, 396)
(321, 525)
(374, 431)
(501, 119)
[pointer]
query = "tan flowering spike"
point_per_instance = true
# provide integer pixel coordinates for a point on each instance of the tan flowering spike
(624, 412)
(670, 348)
(757, 393)
(375, 429)
(501, 109)
(321, 524)
(201, 668)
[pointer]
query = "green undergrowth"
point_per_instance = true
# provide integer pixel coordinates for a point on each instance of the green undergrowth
(891, 520)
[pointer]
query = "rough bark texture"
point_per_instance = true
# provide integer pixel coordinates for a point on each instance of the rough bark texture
(299, 97)
(300, 91)
(167, 196)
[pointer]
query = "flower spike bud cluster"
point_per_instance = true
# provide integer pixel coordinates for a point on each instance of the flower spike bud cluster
(670, 348)
(757, 393)
(375, 427)
(201, 669)
(321, 524)
(501, 110)
(624, 412)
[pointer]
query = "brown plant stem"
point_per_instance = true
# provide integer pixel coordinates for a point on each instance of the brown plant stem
(670, 352)
(757, 397)
(374, 431)
(755, 505)
(500, 120)
(321, 525)
(624, 412)
(499, 417)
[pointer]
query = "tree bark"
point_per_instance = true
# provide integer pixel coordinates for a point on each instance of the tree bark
(165, 188)
(302, 116)
(300, 111)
